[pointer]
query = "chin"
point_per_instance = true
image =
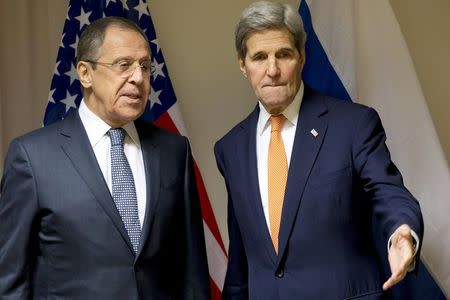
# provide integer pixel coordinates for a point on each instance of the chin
(130, 116)
(276, 102)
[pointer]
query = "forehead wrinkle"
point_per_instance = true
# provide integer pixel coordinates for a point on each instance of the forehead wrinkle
(272, 40)
(122, 40)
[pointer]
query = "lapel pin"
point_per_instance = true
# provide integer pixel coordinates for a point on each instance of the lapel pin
(314, 132)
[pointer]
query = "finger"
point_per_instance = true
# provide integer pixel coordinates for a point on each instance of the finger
(388, 284)
(393, 280)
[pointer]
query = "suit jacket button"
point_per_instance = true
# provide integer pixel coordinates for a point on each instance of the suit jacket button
(280, 273)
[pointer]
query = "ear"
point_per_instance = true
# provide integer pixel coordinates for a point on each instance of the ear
(302, 57)
(84, 71)
(242, 67)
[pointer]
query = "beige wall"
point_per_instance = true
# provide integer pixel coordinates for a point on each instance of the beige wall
(196, 37)
(30, 32)
(426, 27)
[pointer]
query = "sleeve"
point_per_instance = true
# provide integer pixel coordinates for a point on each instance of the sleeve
(18, 210)
(196, 271)
(236, 279)
(393, 204)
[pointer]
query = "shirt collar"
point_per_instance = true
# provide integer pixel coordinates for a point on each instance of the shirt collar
(291, 112)
(96, 128)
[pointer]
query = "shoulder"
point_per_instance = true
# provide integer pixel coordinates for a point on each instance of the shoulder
(33, 147)
(348, 123)
(339, 110)
(344, 107)
(246, 125)
(39, 137)
(159, 136)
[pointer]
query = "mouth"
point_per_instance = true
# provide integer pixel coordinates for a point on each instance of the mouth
(132, 97)
(273, 85)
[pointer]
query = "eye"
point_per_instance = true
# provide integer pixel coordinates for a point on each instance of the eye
(123, 65)
(258, 57)
(284, 54)
(145, 65)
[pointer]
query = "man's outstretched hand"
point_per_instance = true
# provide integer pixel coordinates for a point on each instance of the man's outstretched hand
(401, 255)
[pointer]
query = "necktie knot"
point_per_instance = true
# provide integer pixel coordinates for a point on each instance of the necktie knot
(277, 122)
(117, 136)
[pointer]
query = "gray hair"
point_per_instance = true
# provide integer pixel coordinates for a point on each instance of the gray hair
(92, 37)
(263, 15)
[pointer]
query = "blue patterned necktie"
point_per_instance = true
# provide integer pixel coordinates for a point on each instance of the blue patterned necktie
(123, 189)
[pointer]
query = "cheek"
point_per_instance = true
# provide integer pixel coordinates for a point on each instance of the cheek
(146, 89)
(254, 83)
(110, 91)
(293, 76)
(255, 78)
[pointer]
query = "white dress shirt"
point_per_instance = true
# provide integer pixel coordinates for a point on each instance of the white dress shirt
(97, 131)
(263, 140)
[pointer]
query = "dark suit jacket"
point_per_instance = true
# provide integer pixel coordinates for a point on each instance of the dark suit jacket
(61, 236)
(337, 182)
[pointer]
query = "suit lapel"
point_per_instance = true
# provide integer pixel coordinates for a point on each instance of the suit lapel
(249, 169)
(306, 146)
(151, 156)
(75, 143)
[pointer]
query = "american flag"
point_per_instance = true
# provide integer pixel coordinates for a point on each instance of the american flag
(162, 109)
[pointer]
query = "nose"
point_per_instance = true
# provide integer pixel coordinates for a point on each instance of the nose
(272, 67)
(137, 76)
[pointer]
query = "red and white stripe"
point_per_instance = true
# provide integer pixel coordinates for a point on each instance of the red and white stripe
(217, 258)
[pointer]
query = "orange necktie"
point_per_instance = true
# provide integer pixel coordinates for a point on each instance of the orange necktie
(277, 176)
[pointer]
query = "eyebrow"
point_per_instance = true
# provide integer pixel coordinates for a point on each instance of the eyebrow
(146, 58)
(286, 50)
(279, 50)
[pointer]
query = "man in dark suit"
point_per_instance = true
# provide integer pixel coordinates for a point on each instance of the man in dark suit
(100, 206)
(306, 175)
